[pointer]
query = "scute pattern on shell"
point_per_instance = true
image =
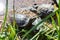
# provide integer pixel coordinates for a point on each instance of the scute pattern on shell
(27, 12)
(19, 17)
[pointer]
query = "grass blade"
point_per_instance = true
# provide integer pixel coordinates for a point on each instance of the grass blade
(5, 17)
(38, 24)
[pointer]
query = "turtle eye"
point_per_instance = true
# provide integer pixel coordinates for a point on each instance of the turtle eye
(55, 2)
(35, 6)
(52, 3)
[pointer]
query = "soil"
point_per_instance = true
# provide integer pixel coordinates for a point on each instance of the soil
(22, 4)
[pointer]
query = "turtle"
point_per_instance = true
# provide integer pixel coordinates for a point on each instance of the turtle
(23, 18)
(33, 12)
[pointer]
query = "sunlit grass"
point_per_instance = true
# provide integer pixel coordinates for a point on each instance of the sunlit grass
(11, 34)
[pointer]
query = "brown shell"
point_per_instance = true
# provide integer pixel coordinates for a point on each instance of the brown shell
(26, 12)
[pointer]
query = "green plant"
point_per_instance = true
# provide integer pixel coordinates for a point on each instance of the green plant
(9, 32)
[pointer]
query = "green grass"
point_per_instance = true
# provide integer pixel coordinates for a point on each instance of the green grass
(6, 13)
(10, 33)
(34, 27)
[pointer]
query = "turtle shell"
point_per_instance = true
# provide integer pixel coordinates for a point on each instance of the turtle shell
(22, 17)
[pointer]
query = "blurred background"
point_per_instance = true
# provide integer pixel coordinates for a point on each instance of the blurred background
(19, 4)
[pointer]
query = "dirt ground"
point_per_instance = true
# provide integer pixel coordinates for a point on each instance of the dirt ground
(23, 3)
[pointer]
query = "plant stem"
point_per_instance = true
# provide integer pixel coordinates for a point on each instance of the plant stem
(59, 21)
(33, 28)
(5, 17)
(14, 12)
